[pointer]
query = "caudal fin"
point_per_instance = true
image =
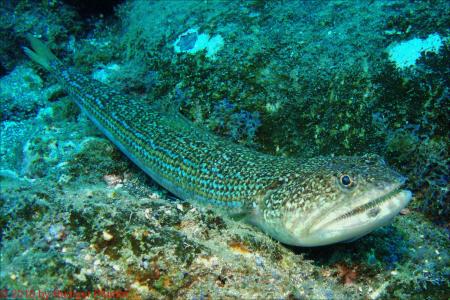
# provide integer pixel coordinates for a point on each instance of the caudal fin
(40, 53)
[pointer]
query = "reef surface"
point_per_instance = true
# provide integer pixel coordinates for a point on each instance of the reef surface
(290, 78)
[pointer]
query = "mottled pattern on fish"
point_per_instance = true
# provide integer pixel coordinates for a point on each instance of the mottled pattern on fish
(190, 162)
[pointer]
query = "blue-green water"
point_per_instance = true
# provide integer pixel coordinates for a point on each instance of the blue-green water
(290, 78)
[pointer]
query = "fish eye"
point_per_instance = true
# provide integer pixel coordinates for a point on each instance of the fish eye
(346, 181)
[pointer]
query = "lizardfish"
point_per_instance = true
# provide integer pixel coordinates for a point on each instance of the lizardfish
(302, 202)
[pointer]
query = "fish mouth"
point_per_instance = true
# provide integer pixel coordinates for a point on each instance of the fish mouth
(373, 209)
(371, 205)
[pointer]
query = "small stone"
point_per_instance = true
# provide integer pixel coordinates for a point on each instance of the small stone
(81, 277)
(405, 211)
(112, 180)
(64, 178)
(112, 194)
(116, 267)
(88, 272)
(107, 236)
(56, 232)
(154, 196)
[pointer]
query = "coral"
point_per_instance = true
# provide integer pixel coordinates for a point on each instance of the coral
(425, 160)
(427, 265)
(239, 125)
(405, 54)
(414, 129)
(192, 42)
(22, 94)
(131, 76)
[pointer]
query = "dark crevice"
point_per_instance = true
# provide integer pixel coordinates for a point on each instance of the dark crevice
(93, 8)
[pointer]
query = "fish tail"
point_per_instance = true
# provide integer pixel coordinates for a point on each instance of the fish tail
(41, 54)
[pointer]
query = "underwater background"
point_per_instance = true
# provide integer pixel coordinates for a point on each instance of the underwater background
(290, 78)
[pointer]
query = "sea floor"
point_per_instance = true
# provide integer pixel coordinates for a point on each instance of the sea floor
(80, 220)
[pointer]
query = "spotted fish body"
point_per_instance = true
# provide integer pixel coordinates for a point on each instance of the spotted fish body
(274, 192)
(186, 160)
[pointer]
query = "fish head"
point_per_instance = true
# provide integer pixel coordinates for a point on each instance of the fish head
(332, 200)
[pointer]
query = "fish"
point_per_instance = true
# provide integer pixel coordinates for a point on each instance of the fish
(305, 202)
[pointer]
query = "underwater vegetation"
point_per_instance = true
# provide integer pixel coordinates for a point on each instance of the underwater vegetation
(236, 124)
(291, 78)
(420, 147)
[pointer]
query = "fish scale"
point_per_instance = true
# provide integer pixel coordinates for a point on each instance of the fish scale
(189, 162)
